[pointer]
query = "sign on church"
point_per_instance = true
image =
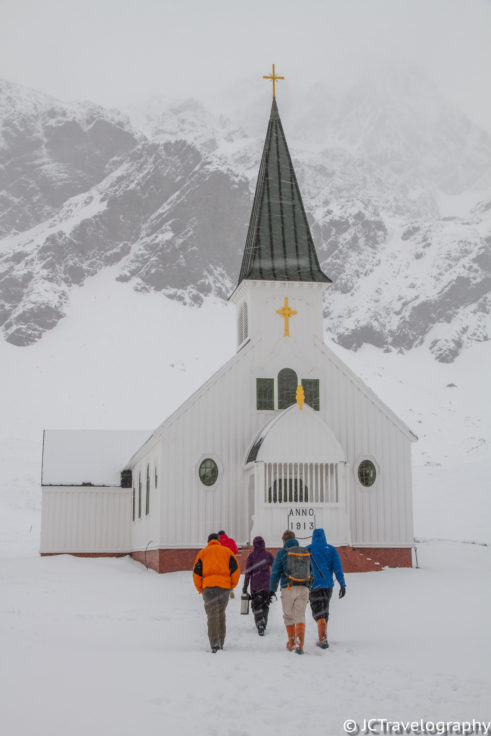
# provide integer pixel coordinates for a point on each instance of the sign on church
(301, 520)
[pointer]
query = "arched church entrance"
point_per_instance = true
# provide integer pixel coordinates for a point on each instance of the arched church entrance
(296, 479)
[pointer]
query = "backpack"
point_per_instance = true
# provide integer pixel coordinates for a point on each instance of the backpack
(298, 568)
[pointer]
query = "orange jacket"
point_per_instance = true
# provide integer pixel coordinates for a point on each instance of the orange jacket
(215, 566)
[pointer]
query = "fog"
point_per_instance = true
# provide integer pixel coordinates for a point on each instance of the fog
(119, 51)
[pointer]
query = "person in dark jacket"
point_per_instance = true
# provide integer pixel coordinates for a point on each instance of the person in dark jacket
(325, 562)
(294, 598)
(258, 567)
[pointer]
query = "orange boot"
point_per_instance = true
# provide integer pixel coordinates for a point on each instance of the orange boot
(290, 644)
(299, 638)
(322, 627)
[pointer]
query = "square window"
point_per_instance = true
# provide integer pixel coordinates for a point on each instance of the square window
(265, 393)
(311, 390)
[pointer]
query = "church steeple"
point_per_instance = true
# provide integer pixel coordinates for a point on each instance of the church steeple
(279, 245)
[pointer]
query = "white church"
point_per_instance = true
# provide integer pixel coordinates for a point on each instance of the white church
(284, 435)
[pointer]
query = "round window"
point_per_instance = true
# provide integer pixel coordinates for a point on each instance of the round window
(367, 473)
(208, 472)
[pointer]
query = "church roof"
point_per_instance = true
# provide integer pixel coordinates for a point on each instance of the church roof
(296, 436)
(279, 245)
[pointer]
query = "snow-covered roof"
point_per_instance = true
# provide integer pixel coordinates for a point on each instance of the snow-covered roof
(96, 457)
(296, 435)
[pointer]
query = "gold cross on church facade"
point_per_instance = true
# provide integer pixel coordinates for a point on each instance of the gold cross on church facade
(273, 78)
(286, 312)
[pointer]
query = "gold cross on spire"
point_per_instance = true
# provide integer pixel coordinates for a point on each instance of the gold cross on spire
(273, 78)
(286, 313)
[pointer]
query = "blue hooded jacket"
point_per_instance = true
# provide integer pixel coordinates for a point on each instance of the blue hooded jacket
(328, 561)
(278, 571)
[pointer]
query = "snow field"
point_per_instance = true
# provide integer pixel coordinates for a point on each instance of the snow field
(103, 646)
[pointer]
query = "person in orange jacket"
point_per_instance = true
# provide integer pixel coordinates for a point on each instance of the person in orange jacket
(215, 573)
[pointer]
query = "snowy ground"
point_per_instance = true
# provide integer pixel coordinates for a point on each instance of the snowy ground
(105, 647)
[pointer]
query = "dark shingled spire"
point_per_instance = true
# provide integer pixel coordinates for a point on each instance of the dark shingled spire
(279, 245)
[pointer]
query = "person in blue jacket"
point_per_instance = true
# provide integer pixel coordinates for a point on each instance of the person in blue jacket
(325, 562)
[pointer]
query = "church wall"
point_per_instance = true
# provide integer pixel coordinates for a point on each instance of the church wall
(380, 515)
(82, 519)
(145, 531)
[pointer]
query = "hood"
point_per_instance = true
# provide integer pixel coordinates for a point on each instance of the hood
(258, 544)
(290, 543)
(319, 537)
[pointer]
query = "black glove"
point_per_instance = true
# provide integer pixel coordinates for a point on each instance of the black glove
(244, 592)
(342, 592)
(272, 596)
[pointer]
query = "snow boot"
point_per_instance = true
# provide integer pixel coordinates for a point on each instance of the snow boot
(299, 638)
(322, 627)
(290, 644)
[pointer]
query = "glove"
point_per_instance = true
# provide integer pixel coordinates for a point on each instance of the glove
(342, 592)
(272, 596)
(245, 592)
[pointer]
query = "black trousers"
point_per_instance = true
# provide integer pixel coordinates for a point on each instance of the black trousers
(260, 607)
(319, 602)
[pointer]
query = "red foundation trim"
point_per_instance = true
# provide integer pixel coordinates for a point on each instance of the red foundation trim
(353, 560)
(86, 554)
(389, 556)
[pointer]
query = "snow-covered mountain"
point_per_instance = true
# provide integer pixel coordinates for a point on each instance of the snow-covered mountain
(396, 182)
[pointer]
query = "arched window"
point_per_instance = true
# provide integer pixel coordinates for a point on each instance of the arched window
(287, 388)
(147, 495)
(243, 326)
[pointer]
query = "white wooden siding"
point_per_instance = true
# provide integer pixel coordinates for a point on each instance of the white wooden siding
(85, 519)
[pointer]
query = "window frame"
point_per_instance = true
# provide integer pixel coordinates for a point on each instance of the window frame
(270, 382)
(317, 400)
(204, 459)
(366, 457)
(147, 491)
(280, 388)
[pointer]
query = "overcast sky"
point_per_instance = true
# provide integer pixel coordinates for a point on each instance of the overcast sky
(119, 51)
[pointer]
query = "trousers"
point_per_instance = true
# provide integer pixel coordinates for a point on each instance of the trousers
(319, 602)
(216, 600)
(260, 607)
(294, 602)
